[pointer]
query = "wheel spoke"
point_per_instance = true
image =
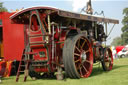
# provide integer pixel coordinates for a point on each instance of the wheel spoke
(107, 54)
(107, 64)
(83, 44)
(78, 42)
(77, 60)
(78, 67)
(84, 68)
(88, 61)
(107, 59)
(86, 51)
(83, 39)
(77, 48)
(81, 72)
(76, 54)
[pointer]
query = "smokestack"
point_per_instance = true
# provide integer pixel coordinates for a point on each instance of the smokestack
(89, 9)
(79, 4)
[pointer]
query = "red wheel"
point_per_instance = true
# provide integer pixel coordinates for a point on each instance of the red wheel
(78, 57)
(107, 62)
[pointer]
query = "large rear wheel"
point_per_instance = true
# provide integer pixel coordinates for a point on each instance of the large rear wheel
(77, 57)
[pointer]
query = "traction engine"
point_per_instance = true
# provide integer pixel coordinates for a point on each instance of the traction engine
(59, 41)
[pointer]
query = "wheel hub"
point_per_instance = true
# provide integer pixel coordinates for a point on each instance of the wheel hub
(83, 56)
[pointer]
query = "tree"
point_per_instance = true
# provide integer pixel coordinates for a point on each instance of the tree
(2, 9)
(124, 29)
(117, 41)
(123, 40)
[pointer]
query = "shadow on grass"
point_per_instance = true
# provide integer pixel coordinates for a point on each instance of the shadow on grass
(98, 70)
(95, 72)
(119, 66)
(44, 78)
(53, 78)
(49, 79)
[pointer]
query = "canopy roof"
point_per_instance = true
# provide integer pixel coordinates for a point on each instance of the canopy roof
(22, 16)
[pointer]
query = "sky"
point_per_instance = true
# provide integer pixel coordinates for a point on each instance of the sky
(112, 9)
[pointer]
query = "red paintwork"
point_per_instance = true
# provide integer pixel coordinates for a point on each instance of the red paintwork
(72, 28)
(5, 68)
(36, 40)
(8, 68)
(2, 68)
(13, 38)
(37, 57)
(41, 70)
(57, 34)
(119, 48)
(49, 49)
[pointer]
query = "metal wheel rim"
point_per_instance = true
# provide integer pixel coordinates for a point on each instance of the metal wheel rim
(108, 59)
(83, 59)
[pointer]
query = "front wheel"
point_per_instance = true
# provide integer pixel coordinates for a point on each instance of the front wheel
(122, 56)
(107, 61)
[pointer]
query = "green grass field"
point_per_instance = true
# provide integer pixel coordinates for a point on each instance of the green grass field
(117, 76)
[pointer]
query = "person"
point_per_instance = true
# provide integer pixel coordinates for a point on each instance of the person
(114, 52)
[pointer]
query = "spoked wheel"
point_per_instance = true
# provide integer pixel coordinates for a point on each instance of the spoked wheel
(77, 57)
(107, 61)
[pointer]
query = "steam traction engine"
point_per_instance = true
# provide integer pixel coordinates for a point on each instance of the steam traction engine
(58, 40)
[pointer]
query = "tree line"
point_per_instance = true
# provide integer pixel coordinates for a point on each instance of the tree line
(2, 9)
(123, 39)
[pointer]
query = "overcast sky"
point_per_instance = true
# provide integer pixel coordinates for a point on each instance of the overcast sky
(111, 8)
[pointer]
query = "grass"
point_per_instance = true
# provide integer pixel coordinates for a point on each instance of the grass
(117, 76)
